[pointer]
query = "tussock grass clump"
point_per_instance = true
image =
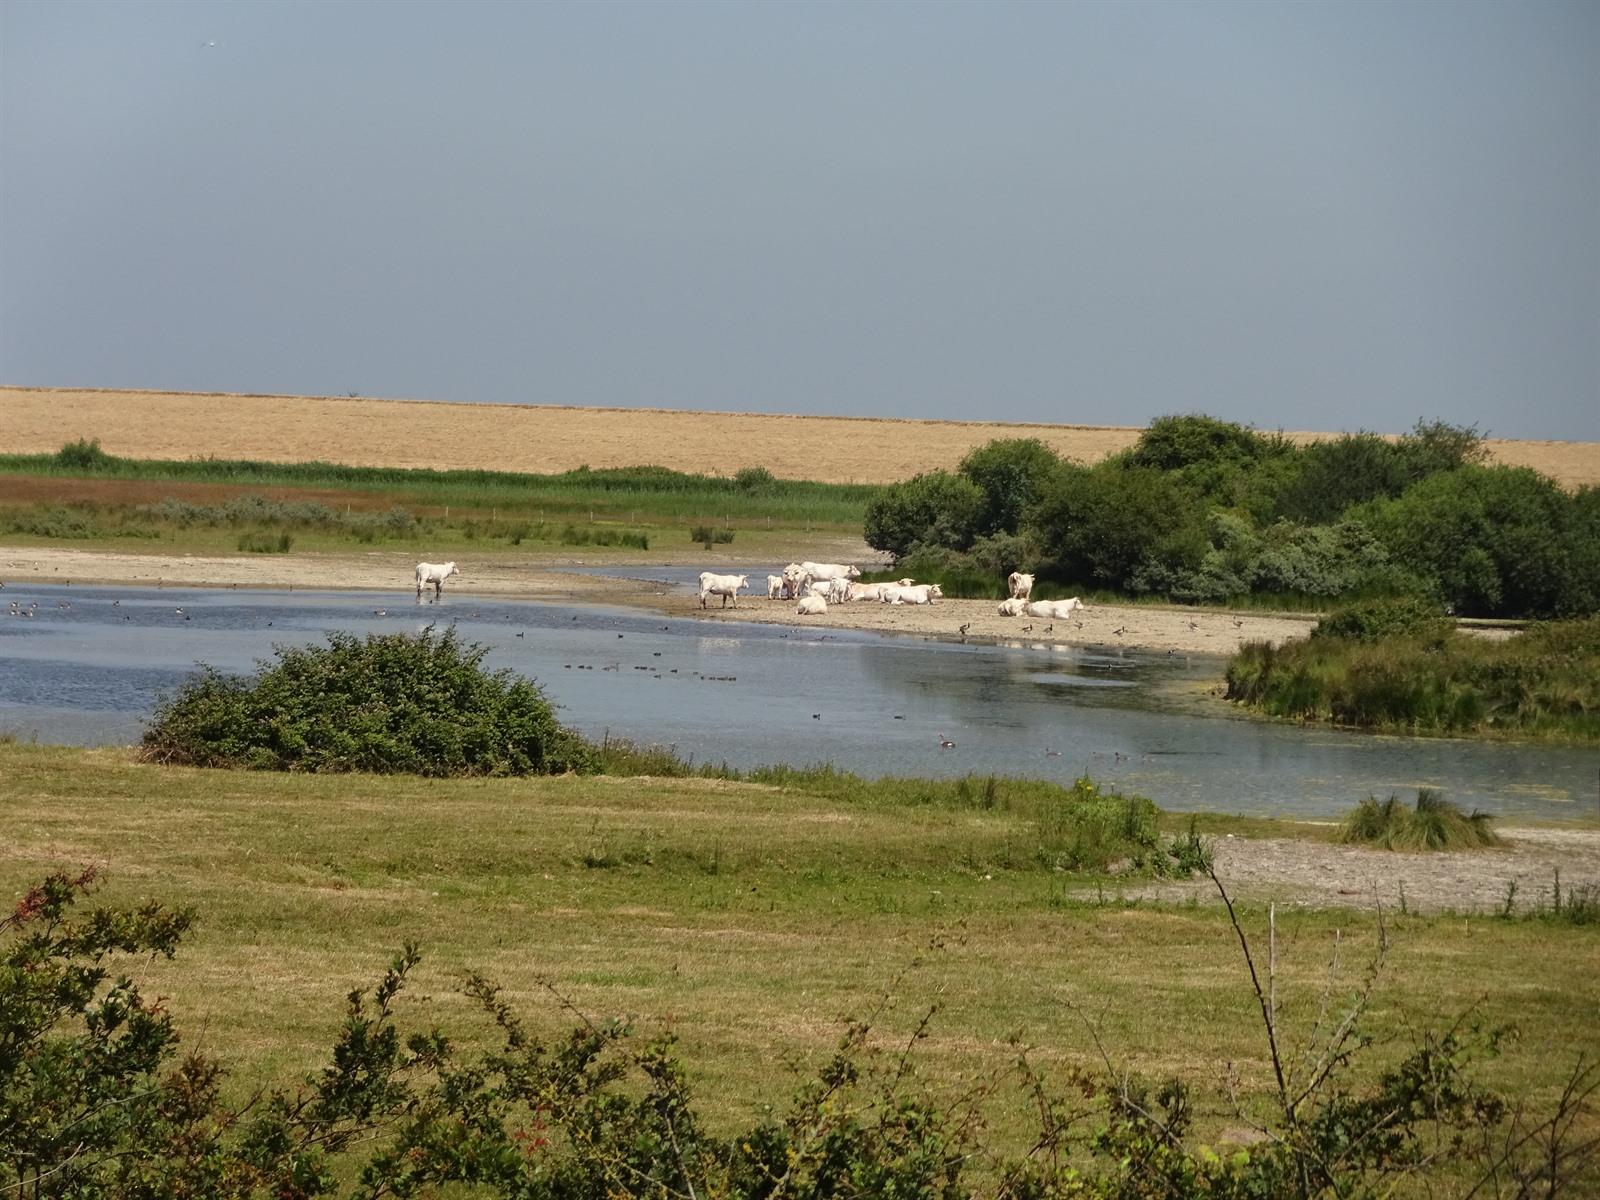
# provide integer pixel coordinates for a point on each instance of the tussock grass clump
(390, 704)
(1434, 824)
(260, 541)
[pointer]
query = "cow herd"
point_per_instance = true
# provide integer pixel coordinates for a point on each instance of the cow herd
(814, 586)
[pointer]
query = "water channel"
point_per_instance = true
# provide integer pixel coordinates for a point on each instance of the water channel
(88, 666)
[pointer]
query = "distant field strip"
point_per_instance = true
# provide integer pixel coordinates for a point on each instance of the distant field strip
(547, 438)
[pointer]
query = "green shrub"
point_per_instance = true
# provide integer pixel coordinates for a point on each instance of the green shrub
(259, 541)
(1435, 824)
(54, 521)
(83, 455)
(1375, 620)
(393, 703)
(710, 535)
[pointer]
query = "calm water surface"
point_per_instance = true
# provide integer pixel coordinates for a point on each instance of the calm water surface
(88, 666)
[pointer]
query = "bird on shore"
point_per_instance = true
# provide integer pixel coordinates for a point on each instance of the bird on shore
(1120, 631)
(1238, 623)
(964, 628)
(1194, 624)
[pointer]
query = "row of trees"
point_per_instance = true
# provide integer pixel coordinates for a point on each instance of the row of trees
(1203, 510)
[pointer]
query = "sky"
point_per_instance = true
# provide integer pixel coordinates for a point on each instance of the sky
(1326, 216)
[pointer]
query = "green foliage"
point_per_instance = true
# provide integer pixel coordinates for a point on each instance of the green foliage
(753, 480)
(54, 521)
(1011, 473)
(1500, 541)
(710, 535)
(1334, 475)
(1391, 617)
(1132, 530)
(93, 1106)
(261, 542)
(83, 455)
(1544, 682)
(602, 535)
(395, 703)
(1434, 824)
(936, 509)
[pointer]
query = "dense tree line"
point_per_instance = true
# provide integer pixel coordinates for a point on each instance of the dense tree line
(1202, 510)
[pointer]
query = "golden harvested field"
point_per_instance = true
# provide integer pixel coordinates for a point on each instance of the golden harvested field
(550, 438)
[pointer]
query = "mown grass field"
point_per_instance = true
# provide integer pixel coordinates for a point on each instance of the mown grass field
(750, 920)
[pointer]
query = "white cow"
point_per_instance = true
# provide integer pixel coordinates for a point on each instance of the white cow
(1020, 585)
(726, 586)
(775, 588)
(796, 577)
(811, 606)
(830, 570)
(1054, 609)
(1013, 607)
(922, 593)
(866, 591)
(436, 574)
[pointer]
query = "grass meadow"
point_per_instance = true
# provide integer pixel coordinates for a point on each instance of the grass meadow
(750, 920)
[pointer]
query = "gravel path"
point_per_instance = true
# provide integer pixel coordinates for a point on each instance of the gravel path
(1323, 875)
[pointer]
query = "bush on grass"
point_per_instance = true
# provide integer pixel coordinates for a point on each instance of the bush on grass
(418, 704)
(1435, 824)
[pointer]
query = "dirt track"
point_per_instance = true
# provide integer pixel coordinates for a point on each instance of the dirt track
(547, 438)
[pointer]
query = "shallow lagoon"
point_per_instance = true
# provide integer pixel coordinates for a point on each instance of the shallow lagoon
(87, 668)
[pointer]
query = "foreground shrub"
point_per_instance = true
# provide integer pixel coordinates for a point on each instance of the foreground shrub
(94, 1105)
(1435, 824)
(393, 703)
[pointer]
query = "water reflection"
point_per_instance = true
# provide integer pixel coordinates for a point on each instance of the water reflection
(88, 665)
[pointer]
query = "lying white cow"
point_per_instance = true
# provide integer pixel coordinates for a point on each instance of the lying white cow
(1013, 607)
(726, 586)
(866, 591)
(1054, 609)
(830, 571)
(1020, 585)
(775, 588)
(811, 606)
(436, 574)
(922, 593)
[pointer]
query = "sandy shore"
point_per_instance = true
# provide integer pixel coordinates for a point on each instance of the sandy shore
(1180, 630)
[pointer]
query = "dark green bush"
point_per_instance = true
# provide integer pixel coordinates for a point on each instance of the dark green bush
(932, 509)
(394, 703)
(83, 455)
(1374, 620)
(710, 535)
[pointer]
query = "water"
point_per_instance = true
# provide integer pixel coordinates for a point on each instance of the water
(88, 667)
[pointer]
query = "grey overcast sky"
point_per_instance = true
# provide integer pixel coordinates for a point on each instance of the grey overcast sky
(1296, 215)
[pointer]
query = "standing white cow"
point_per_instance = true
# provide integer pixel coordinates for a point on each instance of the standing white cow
(726, 586)
(795, 578)
(775, 588)
(436, 574)
(830, 571)
(811, 606)
(1021, 585)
